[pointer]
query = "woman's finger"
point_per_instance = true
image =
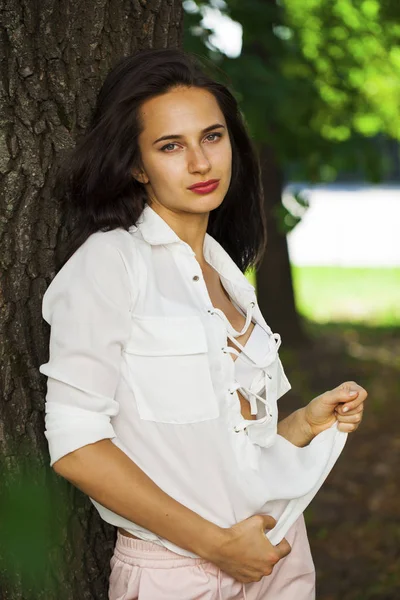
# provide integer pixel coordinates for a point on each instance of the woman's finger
(349, 406)
(339, 410)
(347, 427)
(357, 418)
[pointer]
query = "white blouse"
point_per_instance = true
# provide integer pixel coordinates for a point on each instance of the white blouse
(138, 354)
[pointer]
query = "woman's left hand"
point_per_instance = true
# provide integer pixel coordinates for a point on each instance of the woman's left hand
(344, 404)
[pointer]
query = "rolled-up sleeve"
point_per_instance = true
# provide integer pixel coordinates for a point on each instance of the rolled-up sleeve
(87, 306)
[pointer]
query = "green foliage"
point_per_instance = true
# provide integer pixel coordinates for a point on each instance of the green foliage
(33, 513)
(315, 79)
(355, 54)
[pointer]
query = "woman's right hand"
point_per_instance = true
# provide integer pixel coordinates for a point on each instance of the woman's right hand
(245, 553)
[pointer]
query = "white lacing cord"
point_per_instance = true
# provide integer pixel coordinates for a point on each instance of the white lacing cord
(251, 397)
(263, 365)
(230, 328)
(270, 357)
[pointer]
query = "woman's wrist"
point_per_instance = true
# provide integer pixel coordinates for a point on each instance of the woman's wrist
(296, 429)
(307, 432)
(208, 544)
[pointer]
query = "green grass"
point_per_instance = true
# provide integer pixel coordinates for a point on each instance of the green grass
(355, 295)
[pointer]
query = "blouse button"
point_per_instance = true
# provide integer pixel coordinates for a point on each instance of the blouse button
(196, 278)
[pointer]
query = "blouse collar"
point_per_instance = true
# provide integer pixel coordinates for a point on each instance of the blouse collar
(156, 231)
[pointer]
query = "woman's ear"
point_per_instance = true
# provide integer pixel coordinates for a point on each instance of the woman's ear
(140, 176)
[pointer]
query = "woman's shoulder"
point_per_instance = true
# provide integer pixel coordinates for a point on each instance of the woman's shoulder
(106, 261)
(102, 252)
(119, 239)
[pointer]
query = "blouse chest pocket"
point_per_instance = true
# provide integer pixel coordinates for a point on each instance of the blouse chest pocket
(167, 359)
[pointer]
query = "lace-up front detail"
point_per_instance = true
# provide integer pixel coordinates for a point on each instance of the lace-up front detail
(270, 419)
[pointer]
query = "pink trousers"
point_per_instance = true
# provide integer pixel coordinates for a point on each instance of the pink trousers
(147, 571)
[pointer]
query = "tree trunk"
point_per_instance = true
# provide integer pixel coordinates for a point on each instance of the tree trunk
(274, 279)
(54, 57)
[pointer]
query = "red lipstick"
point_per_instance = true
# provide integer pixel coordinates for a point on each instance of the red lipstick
(204, 187)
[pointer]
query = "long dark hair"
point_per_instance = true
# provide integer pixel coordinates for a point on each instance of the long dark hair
(97, 187)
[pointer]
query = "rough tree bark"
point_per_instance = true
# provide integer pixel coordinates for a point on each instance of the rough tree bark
(274, 279)
(54, 56)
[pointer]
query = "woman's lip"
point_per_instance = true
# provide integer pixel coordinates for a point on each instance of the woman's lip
(205, 189)
(205, 184)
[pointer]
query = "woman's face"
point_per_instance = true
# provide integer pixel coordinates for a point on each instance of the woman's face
(188, 154)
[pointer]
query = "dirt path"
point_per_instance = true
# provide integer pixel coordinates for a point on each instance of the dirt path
(354, 521)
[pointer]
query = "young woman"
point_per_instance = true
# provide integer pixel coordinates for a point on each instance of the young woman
(163, 376)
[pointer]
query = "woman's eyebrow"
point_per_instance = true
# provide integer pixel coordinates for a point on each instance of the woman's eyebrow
(178, 137)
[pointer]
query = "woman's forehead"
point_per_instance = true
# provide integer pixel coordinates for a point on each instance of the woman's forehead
(180, 111)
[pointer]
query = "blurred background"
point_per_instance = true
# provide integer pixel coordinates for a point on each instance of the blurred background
(319, 86)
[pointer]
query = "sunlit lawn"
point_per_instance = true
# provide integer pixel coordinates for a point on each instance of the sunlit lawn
(339, 294)
(356, 295)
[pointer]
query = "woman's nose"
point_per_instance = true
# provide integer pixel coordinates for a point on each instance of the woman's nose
(198, 161)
